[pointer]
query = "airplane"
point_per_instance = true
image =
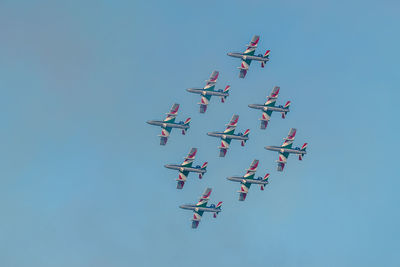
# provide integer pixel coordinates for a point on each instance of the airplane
(269, 107)
(249, 179)
(286, 149)
(186, 167)
(209, 91)
(227, 135)
(201, 207)
(169, 122)
(248, 56)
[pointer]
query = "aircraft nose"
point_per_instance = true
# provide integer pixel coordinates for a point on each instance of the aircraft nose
(181, 206)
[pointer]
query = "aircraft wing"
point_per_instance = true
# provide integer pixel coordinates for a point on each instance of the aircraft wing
(165, 131)
(266, 115)
(282, 161)
(252, 170)
(231, 126)
(224, 146)
(190, 157)
(181, 179)
(290, 138)
(196, 218)
(204, 198)
(171, 115)
(204, 103)
(213, 80)
(271, 99)
(244, 189)
(243, 70)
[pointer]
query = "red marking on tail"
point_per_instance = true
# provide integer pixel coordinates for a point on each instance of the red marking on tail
(204, 165)
(246, 132)
(304, 146)
(266, 176)
(287, 104)
(187, 120)
(227, 88)
(267, 53)
(219, 204)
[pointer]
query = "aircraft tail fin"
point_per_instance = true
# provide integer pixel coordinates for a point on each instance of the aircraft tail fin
(265, 179)
(218, 206)
(226, 90)
(303, 148)
(203, 167)
(266, 56)
(186, 123)
(287, 105)
(245, 134)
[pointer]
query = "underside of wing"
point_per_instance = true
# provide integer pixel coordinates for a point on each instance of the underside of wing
(266, 115)
(280, 167)
(164, 135)
(171, 115)
(163, 140)
(181, 180)
(281, 162)
(223, 148)
(203, 103)
(242, 73)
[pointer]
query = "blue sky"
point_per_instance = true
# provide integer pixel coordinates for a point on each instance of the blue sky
(82, 179)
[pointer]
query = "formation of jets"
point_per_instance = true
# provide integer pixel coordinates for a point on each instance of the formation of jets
(228, 135)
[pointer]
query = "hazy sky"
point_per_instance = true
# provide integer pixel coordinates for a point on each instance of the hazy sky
(82, 181)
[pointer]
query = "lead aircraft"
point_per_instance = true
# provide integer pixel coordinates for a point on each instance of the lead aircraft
(186, 167)
(269, 107)
(248, 55)
(201, 207)
(286, 149)
(249, 179)
(209, 91)
(169, 122)
(227, 135)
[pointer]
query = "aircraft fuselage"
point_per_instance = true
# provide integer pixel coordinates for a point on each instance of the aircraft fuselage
(228, 136)
(245, 57)
(246, 180)
(264, 107)
(197, 208)
(286, 150)
(201, 91)
(182, 168)
(169, 124)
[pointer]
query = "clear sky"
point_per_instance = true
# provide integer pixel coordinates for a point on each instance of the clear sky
(82, 181)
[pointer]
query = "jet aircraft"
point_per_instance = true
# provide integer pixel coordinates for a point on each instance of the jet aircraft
(186, 167)
(248, 56)
(227, 135)
(201, 207)
(269, 107)
(169, 122)
(286, 149)
(209, 91)
(249, 179)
